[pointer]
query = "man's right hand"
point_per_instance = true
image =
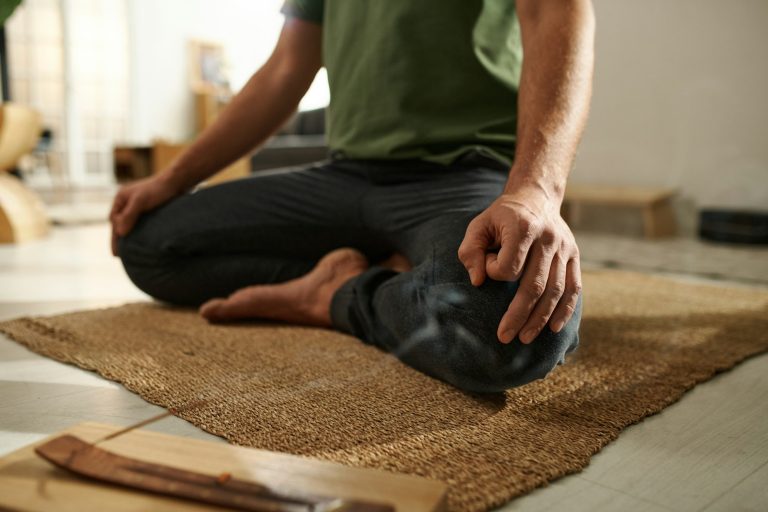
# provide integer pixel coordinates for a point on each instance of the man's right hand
(134, 199)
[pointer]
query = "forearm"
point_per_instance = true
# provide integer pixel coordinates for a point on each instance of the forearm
(555, 90)
(252, 116)
(264, 104)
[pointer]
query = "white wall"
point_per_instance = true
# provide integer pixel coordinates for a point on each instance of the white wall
(160, 30)
(681, 99)
(161, 105)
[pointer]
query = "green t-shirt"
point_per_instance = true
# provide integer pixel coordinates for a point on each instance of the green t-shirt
(429, 79)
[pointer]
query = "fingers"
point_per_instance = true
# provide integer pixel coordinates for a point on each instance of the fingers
(123, 217)
(126, 208)
(126, 218)
(548, 301)
(570, 298)
(532, 286)
(472, 250)
(508, 264)
(118, 204)
(114, 243)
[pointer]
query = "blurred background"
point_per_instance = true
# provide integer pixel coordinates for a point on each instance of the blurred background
(108, 73)
(675, 153)
(671, 178)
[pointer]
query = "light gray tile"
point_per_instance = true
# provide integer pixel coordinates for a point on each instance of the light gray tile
(750, 495)
(34, 398)
(15, 434)
(697, 449)
(573, 494)
(556, 494)
(677, 255)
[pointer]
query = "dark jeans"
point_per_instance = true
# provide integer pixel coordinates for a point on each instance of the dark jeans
(275, 227)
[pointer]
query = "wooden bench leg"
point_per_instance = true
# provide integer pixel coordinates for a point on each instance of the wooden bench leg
(659, 219)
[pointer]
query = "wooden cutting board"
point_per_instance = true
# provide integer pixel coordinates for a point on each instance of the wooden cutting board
(27, 482)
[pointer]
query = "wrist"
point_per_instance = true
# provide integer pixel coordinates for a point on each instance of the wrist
(172, 181)
(548, 184)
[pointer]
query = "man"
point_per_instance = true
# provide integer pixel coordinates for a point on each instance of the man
(431, 162)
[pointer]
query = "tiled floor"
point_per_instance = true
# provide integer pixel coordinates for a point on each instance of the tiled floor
(687, 256)
(708, 452)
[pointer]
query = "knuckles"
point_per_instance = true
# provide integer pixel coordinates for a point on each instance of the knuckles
(549, 237)
(536, 288)
(526, 224)
(556, 289)
(464, 253)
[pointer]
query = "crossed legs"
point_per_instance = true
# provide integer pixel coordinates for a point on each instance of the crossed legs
(294, 248)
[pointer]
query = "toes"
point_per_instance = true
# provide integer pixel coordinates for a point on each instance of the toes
(243, 304)
(227, 310)
(210, 309)
(305, 300)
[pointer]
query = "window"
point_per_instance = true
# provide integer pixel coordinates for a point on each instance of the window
(69, 60)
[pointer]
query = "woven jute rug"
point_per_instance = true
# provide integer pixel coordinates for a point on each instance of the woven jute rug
(645, 341)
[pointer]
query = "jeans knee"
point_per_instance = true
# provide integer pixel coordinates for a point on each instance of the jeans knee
(148, 267)
(467, 353)
(485, 370)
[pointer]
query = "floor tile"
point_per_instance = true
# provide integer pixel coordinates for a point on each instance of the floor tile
(698, 448)
(749, 495)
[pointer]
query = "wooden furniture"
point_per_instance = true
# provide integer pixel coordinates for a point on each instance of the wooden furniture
(207, 67)
(22, 214)
(208, 105)
(27, 482)
(137, 162)
(132, 163)
(654, 203)
(163, 153)
(209, 102)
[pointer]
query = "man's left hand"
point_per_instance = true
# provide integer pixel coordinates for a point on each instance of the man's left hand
(534, 246)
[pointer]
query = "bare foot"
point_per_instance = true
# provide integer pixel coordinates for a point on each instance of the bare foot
(305, 300)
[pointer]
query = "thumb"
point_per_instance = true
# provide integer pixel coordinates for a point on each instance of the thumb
(127, 217)
(117, 205)
(472, 250)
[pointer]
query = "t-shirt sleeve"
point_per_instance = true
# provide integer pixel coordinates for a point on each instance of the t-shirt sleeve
(307, 10)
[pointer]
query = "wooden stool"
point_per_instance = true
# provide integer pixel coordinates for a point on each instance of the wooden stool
(22, 214)
(655, 203)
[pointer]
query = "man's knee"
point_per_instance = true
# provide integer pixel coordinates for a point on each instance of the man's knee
(505, 366)
(488, 366)
(145, 262)
(466, 352)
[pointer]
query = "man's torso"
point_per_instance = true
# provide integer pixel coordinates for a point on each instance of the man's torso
(429, 79)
